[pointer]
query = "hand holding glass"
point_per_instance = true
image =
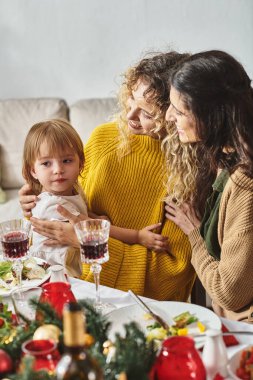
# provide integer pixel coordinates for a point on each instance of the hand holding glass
(93, 235)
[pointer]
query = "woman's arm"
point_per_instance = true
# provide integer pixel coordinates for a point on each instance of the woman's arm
(144, 237)
(63, 233)
(228, 281)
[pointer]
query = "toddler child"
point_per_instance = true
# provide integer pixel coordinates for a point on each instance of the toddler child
(53, 159)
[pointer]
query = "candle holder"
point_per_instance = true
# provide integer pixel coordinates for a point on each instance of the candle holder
(57, 294)
(178, 360)
(45, 353)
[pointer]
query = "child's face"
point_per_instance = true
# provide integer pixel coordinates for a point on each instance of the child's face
(57, 173)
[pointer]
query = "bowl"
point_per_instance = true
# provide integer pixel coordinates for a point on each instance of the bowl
(234, 363)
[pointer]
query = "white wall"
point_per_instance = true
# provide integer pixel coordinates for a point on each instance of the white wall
(78, 48)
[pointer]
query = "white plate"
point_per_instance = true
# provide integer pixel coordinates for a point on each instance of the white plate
(28, 283)
(167, 310)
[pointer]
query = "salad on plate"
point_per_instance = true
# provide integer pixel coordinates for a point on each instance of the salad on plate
(33, 269)
(183, 324)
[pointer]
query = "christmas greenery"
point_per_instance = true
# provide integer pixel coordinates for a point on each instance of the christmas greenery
(133, 355)
(130, 353)
(29, 374)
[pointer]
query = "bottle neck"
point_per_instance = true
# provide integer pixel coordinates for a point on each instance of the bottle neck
(74, 328)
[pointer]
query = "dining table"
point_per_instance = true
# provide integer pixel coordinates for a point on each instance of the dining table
(86, 290)
(83, 289)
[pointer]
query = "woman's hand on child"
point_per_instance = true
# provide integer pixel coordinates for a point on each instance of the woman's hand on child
(183, 216)
(27, 200)
(152, 240)
(69, 216)
(59, 233)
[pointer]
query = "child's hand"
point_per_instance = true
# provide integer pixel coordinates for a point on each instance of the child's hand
(105, 217)
(92, 215)
(152, 240)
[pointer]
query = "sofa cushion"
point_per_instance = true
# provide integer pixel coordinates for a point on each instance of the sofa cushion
(86, 114)
(16, 118)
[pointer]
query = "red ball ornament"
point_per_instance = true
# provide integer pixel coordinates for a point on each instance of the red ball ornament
(6, 364)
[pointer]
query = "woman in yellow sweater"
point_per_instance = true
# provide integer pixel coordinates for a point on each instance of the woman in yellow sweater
(124, 178)
(212, 105)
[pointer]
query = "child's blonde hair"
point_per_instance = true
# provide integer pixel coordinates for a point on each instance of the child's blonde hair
(59, 135)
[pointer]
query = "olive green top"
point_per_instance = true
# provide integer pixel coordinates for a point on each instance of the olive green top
(209, 224)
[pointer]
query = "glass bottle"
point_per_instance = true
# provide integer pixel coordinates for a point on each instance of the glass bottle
(214, 354)
(178, 360)
(57, 274)
(76, 363)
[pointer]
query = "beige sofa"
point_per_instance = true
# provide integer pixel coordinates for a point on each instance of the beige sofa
(16, 118)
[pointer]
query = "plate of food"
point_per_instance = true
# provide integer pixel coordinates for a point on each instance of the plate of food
(35, 271)
(183, 319)
(240, 364)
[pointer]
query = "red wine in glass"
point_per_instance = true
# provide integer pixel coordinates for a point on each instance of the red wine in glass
(94, 251)
(15, 244)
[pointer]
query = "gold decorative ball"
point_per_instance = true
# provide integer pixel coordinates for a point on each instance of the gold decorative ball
(47, 332)
(107, 346)
(88, 340)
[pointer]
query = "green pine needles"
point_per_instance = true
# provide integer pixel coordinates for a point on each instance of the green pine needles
(130, 353)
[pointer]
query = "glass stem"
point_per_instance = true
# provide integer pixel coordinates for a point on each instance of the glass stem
(96, 269)
(17, 267)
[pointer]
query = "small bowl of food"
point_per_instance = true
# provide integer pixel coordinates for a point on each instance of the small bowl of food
(240, 366)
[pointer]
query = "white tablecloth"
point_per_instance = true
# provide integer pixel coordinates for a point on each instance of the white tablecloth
(83, 289)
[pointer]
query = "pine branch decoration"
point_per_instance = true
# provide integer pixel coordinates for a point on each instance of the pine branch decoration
(133, 355)
(96, 324)
(46, 313)
(29, 374)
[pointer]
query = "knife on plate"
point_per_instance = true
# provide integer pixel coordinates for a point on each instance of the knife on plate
(147, 309)
(226, 333)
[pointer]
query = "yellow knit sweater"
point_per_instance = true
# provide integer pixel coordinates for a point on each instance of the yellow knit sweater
(130, 192)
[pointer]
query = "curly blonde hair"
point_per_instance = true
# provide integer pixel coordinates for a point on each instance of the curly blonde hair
(185, 164)
(154, 70)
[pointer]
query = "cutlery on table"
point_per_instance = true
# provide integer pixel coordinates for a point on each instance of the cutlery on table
(227, 333)
(237, 332)
(147, 309)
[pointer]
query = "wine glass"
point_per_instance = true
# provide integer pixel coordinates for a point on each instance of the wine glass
(21, 299)
(15, 235)
(93, 235)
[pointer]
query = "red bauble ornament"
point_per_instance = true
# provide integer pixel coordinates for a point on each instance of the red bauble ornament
(6, 364)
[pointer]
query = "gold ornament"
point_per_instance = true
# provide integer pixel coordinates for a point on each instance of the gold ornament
(109, 350)
(47, 332)
(8, 338)
(106, 346)
(88, 340)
